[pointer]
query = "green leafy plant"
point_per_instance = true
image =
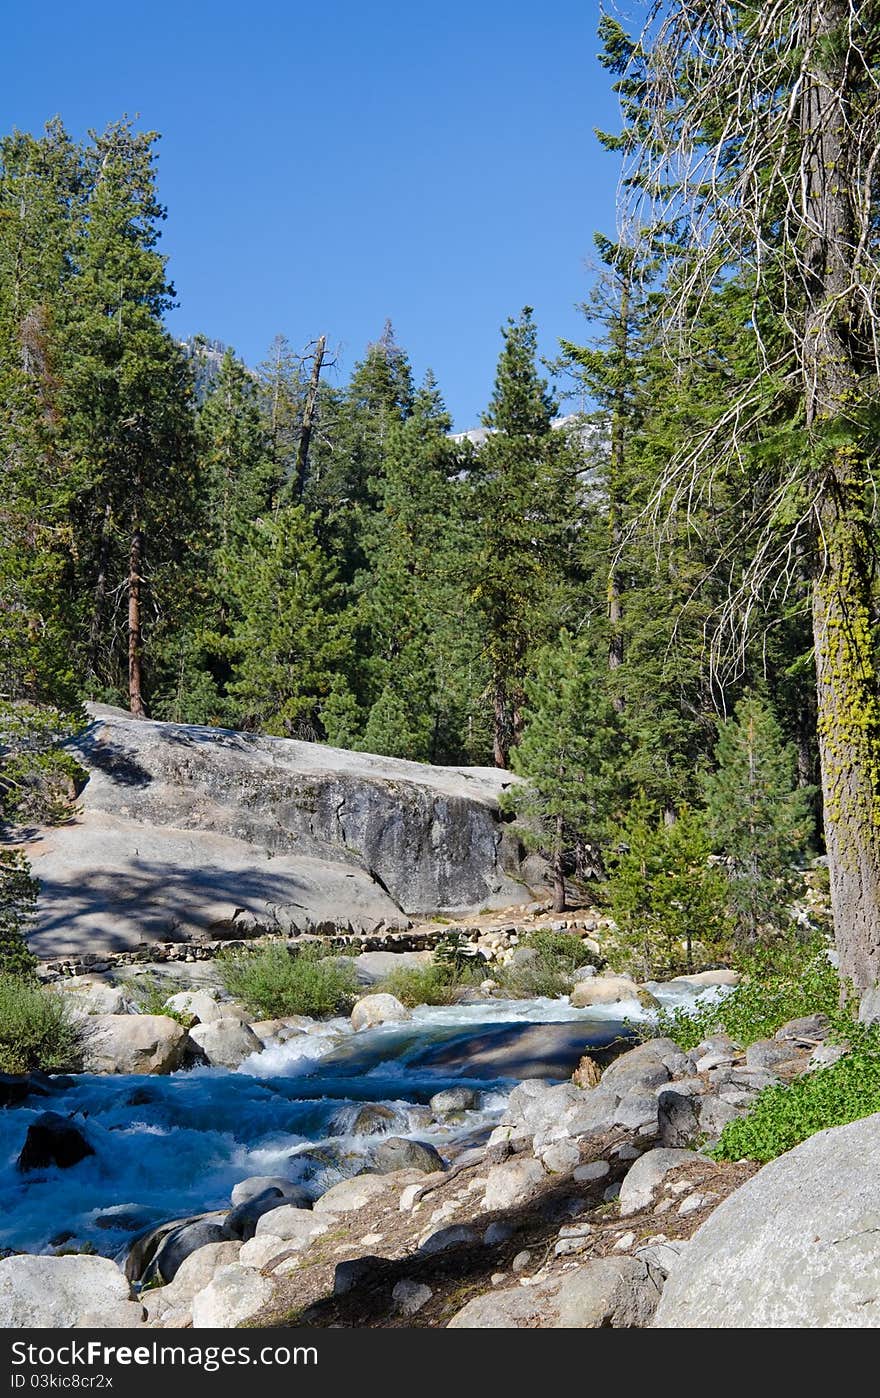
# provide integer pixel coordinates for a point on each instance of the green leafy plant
(781, 982)
(37, 1029)
(434, 984)
(148, 994)
(274, 981)
(784, 1116)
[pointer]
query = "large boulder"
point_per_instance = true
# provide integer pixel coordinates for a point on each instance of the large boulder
(372, 1010)
(226, 1043)
(91, 996)
(192, 1276)
(189, 831)
(234, 1294)
(181, 1243)
(643, 1179)
(201, 1004)
(513, 1183)
(296, 1227)
(134, 1044)
(609, 990)
(352, 1194)
(53, 1140)
(400, 1153)
(795, 1247)
(610, 1292)
(61, 1293)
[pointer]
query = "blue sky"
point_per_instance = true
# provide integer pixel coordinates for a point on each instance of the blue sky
(326, 165)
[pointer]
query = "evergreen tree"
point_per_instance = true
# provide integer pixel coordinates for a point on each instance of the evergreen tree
(126, 397)
(290, 633)
(665, 894)
(570, 756)
(519, 530)
(758, 817)
(416, 632)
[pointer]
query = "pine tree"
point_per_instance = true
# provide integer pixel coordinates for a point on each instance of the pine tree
(758, 816)
(519, 530)
(570, 756)
(127, 400)
(290, 633)
(416, 633)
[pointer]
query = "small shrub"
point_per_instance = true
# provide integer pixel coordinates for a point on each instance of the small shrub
(37, 1029)
(784, 1116)
(273, 981)
(454, 953)
(430, 985)
(148, 994)
(541, 977)
(564, 949)
(780, 982)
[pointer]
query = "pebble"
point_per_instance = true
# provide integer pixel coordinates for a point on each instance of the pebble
(521, 1261)
(596, 1170)
(624, 1242)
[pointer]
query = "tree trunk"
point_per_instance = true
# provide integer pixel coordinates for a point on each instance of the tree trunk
(558, 876)
(308, 419)
(100, 595)
(135, 634)
(500, 734)
(615, 481)
(846, 670)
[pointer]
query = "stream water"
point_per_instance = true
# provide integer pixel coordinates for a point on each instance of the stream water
(167, 1147)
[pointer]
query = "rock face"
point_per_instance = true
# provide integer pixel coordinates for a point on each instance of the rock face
(134, 1044)
(796, 1246)
(64, 1292)
(188, 831)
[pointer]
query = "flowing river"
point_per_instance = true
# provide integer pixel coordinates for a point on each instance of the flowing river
(167, 1147)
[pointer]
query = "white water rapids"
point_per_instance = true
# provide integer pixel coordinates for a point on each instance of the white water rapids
(167, 1147)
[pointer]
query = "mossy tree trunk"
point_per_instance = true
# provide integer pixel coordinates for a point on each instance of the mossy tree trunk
(835, 361)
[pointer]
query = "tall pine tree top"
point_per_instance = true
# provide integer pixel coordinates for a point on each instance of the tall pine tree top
(521, 403)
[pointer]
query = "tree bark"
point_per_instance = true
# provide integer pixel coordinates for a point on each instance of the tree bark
(846, 670)
(100, 595)
(308, 418)
(558, 875)
(135, 634)
(618, 453)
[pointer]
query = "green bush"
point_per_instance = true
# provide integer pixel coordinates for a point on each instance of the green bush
(781, 982)
(564, 950)
(273, 981)
(434, 984)
(37, 1029)
(148, 993)
(784, 1116)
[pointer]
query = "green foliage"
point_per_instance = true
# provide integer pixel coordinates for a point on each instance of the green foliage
(18, 898)
(37, 1030)
(564, 949)
(784, 1116)
(273, 981)
(784, 981)
(559, 954)
(455, 953)
(666, 895)
(758, 817)
(289, 633)
(570, 756)
(430, 985)
(148, 993)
